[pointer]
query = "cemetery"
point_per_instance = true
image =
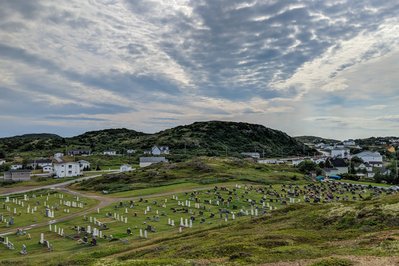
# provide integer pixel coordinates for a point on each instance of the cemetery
(37, 207)
(131, 222)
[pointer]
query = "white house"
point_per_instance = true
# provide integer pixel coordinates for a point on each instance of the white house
(125, 168)
(320, 145)
(110, 152)
(40, 163)
(296, 162)
(254, 155)
(370, 157)
(319, 160)
(349, 143)
(155, 150)
(83, 165)
(270, 161)
(147, 161)
(16, 166)
(2, 161)
(365, 166)
(48, 169)
(58, 155)
(66, 169)
(340, 153)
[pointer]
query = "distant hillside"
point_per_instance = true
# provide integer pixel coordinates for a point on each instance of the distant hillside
(213, 138)
(120, 138)
(375, 141)
(30, 142)
(314, 139)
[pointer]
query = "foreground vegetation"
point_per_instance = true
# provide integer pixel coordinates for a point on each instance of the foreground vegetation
(309, 232)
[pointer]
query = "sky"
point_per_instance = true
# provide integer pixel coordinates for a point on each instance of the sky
(324, 68)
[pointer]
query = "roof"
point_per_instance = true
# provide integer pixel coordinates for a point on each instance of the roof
(19, 171)
(338, 162)
(329, 169)
(83, 161)
(152, 159)
(367, 153)
(58, 160)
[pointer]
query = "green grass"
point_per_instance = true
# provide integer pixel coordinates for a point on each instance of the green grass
(38, 199)
(202, 171)
(296, 231)
(366, 183)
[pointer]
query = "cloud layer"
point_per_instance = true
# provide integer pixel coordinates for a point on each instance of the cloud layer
(305, 67)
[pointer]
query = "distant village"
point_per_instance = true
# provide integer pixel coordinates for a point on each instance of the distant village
(334, 160)
(62, 165)
(346, 159)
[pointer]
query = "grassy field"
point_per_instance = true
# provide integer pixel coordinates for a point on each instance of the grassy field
(282, 230)
(366, 183)
(200, 171)
(17, 207)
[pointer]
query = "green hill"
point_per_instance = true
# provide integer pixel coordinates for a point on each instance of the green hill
(314, 140)
(200, 170)
(213, 138)
(216, 138)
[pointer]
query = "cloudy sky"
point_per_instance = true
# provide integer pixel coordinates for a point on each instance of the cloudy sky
(327, 68)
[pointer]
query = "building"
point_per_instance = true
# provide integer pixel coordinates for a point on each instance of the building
(340, 152)
(125, 168)
(391, 149)
(370, 157)
(365, 167)
(339, 167)
(110, 152)
(84, 165)
(64, 168)
(17, 175)
(331, 171)
(349, 143)
(296, 162)
(16, 166)
(79, 152)
(40, 163)
(48, 169)
(270, 161)
(155, 150)
(147, 161)
(58, 155)
(254, 155)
